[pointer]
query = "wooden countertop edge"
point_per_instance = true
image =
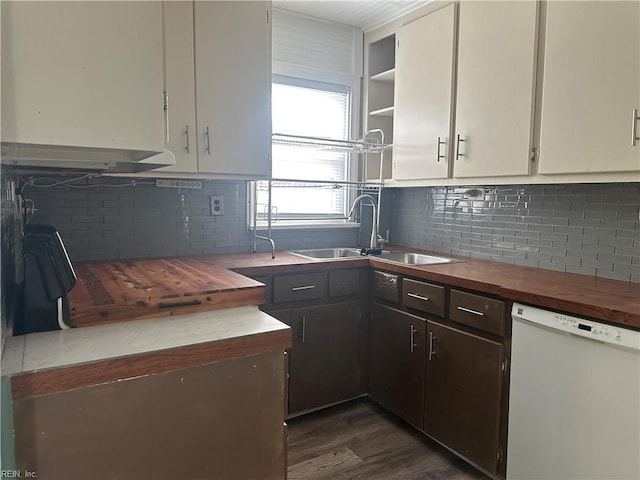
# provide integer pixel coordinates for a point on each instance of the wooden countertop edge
(301, 264)
(600, 313)
(449, 279)
(557, 302)
(86, 316)
(63, 379)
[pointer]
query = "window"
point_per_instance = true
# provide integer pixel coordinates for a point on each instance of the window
(315, 109)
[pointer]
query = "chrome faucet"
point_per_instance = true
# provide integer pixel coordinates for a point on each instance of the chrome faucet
(373, 244)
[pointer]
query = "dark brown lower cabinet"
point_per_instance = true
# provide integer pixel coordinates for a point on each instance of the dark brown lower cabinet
(397, 362)
(464, 381)
(218, 421)
(324, 359)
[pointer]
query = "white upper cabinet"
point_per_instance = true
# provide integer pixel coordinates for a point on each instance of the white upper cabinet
(180, 81)
(83, 75)
(218, 77)
(591, 87)
(495, 88)
(423, 96)
(233, 88)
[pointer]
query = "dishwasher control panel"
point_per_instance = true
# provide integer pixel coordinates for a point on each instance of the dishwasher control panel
(578, 326)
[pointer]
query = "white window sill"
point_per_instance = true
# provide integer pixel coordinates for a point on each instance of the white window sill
(304, 225)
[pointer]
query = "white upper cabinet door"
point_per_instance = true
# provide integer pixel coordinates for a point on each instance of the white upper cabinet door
(591, 87)
(83, 74)
(495, 88)
(423, 89)
(233, 87)
(180, 84)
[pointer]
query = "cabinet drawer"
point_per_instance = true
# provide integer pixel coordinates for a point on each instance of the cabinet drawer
(303, 286)
(386, 286)
(477, 311)
(426, 297)
(344, 282)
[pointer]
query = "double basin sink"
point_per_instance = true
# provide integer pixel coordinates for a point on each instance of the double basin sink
(406, 258)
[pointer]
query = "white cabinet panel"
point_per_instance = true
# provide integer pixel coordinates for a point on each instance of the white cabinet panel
(495, 88)
(233, 88)
(591, 86)
(180, 84)
(83, 74)
(423, 96)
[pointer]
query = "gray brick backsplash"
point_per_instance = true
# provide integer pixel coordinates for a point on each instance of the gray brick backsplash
(103, 223)
(590, 229)
(527, 263)
(581, 270)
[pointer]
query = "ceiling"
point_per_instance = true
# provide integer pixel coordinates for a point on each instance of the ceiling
(363, 14)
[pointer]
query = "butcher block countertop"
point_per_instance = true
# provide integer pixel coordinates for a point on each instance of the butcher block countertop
(123, 290)
(116, 291)
(61, 360)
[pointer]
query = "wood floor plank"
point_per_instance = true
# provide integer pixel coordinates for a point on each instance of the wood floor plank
(325, 466)
(325, 445)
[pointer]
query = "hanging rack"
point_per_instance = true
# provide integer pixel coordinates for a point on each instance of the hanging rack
(370, 143)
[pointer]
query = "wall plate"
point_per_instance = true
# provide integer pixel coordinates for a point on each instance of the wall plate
(217, 205)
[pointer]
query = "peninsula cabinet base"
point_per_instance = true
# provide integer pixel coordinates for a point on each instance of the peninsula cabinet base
(224, 420)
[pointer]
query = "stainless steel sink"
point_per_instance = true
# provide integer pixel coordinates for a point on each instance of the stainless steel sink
(406, 258)
(328, 252)
(412, 258)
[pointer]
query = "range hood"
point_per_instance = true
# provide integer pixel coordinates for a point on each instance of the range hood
(112, 160)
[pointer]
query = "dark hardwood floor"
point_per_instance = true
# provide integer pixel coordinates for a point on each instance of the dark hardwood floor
(360, 440)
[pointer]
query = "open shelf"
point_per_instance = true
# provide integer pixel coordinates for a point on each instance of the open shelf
(380, 62)
(386, 76)
(382, 112)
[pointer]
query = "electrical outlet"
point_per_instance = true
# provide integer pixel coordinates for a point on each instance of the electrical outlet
(217, 205)
(170, 183)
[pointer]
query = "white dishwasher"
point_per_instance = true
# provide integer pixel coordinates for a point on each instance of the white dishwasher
(574, 407)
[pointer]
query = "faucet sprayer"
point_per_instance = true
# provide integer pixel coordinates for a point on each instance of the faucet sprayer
(373, 244)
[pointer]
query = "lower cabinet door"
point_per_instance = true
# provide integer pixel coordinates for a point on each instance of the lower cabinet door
(397, 362)
(463, 393)
(324, 362)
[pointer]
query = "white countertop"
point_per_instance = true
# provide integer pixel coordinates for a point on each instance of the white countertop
(61, 348)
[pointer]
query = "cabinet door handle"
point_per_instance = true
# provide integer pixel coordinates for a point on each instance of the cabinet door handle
(438, 156)
(186, 138)
(303, 328)
(419, 297)
(468, 310)
(412, 332)
(165, 99)
(305, 287)
(207, 136)
(634, 128)
(458, 141)
(431, 350)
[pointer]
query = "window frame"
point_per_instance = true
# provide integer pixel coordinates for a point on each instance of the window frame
(353, 160)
